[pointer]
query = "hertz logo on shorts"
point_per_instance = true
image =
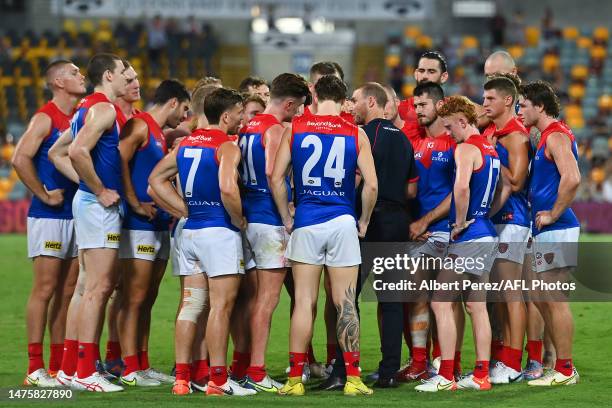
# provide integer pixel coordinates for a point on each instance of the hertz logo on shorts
(53, 245)
(113, 237)
(145, 249)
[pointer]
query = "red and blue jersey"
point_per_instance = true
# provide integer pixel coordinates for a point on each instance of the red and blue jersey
(198, 169)
(141, 166)
(324, 150)
(482, 190)
(258, 204)
(105, 155)
(49, 176)
(435, 166)
(544, 183)
(344, 115)
(516, 209)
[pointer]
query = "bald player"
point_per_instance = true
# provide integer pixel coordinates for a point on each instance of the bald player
(51, 240)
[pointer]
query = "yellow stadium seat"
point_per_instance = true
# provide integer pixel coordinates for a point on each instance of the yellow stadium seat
(424, 41)
(573, 111)
(409, 70)
(605, 102)
(598, 175)
(576, 91)
(7, 152)
(412, 32)
(579, 72)
(516, 51)
(532, 35)
(584, 42)
(598, 52)
(407, 90)
(392, 60)
(575, 123)
(469, 41)
(87, 26)
(601, 33)
(70, 26)
(104, 24)
(550, 63)
(104, 36)
(570, 33)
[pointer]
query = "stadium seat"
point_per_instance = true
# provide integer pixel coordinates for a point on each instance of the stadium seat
(579, 72)
(550, 63)
(532, 36)
(570, 33)
(601, 34)
(412, 32)
(598, 52)
(392, 60)
(584, 42)
(576, 91)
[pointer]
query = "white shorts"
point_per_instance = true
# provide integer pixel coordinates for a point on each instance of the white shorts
(215, 251)
(333, 243)
(95, 225)
(436, 245)
(174, 248)
(512, 242)
(51, 237)
(147, 245)
(475, 256)
(556, 249)
(266, 246)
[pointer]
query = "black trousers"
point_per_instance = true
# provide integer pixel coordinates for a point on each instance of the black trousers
(389, 223)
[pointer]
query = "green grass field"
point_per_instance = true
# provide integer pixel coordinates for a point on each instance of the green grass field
(592, 355)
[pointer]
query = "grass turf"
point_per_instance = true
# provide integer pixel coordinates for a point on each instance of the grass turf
(592, 355)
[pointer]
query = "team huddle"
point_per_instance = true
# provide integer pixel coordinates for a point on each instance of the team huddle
(247, 192)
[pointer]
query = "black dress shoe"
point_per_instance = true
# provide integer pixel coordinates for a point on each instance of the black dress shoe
(386, 383)
(332, 383)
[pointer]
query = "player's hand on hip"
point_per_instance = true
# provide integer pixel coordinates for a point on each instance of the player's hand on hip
(108, 198)
(362, 228)
(544, 218)
(418, 228)
(423, 237)
(54, 198)
(146, 210)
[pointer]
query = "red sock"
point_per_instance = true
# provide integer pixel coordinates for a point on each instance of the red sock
(457, 365)
(311, 356)
(113, 350)
(534, 350)
(182, 371)
(131, 364)
(70, 356)
(564, 366)
(419, 358)
(218, 375)
(513, 358)
(446, 369)
(143, 359)
(351, 363)
(240, 363)
(331, 353)
(496, 349)
(436, 350)
(200, 370)
(35, 357)
(296, 364)
(481, 369)
(86, 365)
(257, 373)
(55, 360)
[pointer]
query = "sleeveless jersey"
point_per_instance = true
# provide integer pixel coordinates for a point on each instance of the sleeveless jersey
(482, 190)
(516, 209)
(141, 166)
(435, 166)
(105, 155)
(198, 170)
(324, 150)
(49, 176)
(544, 184)
(258, 204)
